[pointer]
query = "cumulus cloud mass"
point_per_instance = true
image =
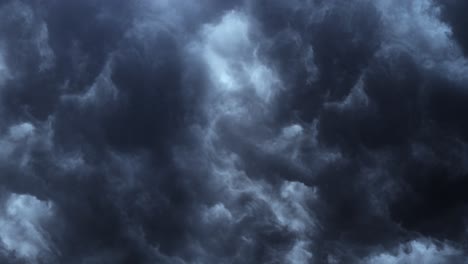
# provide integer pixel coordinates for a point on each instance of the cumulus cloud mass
(234, 131)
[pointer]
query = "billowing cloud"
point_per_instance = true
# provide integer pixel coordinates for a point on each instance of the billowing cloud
(241, 131)
(420, 251)
(22, 231)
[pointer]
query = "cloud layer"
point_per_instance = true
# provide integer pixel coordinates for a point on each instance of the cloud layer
(240, 131)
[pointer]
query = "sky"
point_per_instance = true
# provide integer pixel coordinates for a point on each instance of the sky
(234, 131)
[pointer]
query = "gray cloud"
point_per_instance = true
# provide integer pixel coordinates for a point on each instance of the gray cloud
(294, 132)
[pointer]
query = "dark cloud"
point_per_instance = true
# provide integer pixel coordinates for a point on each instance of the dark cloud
(233, 132)
(453, 14)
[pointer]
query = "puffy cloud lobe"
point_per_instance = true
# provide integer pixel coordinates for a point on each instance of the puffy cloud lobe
(304, 131)
(22, 232)
(420, 251)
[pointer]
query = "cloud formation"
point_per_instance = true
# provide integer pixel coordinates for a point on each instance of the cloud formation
(240, 131)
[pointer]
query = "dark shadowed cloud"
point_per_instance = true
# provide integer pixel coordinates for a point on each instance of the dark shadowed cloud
(249, 131)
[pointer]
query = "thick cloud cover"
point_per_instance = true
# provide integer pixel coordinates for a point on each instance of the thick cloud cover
(240, 131)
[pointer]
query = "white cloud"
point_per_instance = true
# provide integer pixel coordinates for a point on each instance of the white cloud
(299, 254)
(289, 142)
(291, 210)
(229, 52)
(418, 251)
(217, 212)
(415, 23)
(21, 139)
(415, 26)
(21, 131)
(21, 229)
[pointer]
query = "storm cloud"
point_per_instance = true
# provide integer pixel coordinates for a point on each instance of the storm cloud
(237, 131)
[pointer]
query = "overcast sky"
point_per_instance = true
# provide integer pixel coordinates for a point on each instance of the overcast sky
(233, 131)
